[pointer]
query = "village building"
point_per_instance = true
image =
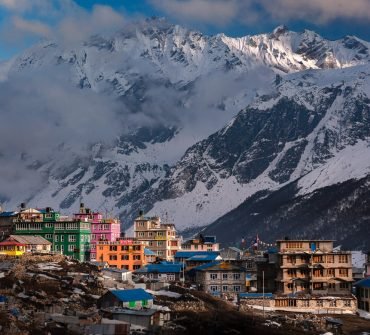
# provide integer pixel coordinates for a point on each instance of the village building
(195, 258)
(231, 253)
(150, 256)
(133, 299)
(102, 229)
(159, 237)
(363, 294)
(6, 224)
(121, 275)
(125, 253)
(69, 237)
(201, 243)
(304, 303)
(33, 243)
(12, 248)
(162, 272)
(312, 266)
(219, 278)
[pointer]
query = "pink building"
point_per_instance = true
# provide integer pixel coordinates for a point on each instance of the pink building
(101, 229)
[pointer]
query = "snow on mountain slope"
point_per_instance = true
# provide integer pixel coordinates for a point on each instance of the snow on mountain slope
(172, 88)
(315, 126)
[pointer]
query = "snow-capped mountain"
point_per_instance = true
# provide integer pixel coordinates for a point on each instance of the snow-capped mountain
(307, 112)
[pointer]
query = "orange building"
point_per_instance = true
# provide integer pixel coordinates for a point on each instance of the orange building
(126, 253)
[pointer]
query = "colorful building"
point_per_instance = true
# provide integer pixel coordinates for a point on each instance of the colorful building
(161, 238)
(101, 229)
(6, 224)
(125, 253)
(69, 237)
(12, 248)
(313, 266)
(201, 243)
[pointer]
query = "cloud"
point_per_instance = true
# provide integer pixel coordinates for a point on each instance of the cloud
(30, 27)
(81, 24)
(222, 12)
(215, 12)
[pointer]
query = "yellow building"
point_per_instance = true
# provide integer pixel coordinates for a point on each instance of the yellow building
(159, 237)
(12, 248)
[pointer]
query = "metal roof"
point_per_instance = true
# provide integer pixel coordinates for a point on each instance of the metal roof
(132, 295)
(148, 252)
(212, 257)
(161, 268)
(219, 266)
(30, 239)
(8, 214)
(188, 254)
(363, 283)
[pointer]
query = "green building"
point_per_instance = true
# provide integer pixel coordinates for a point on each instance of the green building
(69, 237)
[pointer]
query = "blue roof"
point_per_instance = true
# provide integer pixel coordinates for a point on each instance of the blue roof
(188, 254)
(363, 283)
(205, 266)
(203, 258)
(148, 252)
(132, 295)
(7, 214)
(256, 295)
(161, 268)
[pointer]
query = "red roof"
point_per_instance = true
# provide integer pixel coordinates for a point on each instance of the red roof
(12, 243)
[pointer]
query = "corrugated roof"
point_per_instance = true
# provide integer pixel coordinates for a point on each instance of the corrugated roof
(363, 283)
(148, 252)
(209, 239)
(256, 295)
(30, 239)
(8, 214)
(161, 268)
(212, 257)
(188, 254)
(132, 295)
(220, 266)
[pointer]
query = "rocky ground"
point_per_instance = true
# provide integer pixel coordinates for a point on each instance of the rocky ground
(36, 286)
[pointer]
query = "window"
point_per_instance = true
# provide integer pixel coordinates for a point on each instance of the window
(330, 258)
(62, 248)
(343, 258)
(171, 277)
(56, 248)
(136, 267)
(213, 276)
(144, 303)
(71, 238)
(124, 257)
(333, 303)
(71, 247)
(347, 303)
(140, 234)
(136, 257)
(56, 238)
(124, 248)
(224, 276)
(236, 288)
(331, 286)
(93, 236)
(62, 238)
(318, 273)
(318, 286)
(132, 304)
(318, 259)
(294, 245)
(112, 257)
(49, 236)
(236, 276)
(136, 247)
(224, 288)
(291, 259)
(319, 303)
(48, 225)
(160, 243)
(213, 288)
(343, 272)
(305, 303)
(330, 272)
(292, 272)
(112, 248)
(343, 286)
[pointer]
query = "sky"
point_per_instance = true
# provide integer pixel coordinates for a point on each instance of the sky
(25, 22)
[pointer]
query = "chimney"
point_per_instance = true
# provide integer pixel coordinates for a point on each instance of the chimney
(23, 206)
(82, 208)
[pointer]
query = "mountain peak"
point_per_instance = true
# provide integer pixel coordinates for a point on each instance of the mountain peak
(279, 30)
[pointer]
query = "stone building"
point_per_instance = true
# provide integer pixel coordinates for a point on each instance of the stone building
(159, 237)
(312, 266)
(220, 278)
(363, 294)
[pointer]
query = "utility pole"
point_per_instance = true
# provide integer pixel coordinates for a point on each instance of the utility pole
(263, 293)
